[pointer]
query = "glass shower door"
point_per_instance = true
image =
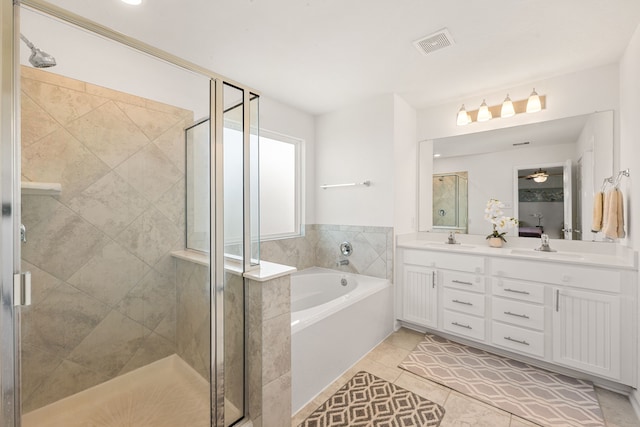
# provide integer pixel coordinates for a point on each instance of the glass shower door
(119, 329)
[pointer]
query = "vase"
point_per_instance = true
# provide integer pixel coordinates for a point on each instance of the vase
(495, 242)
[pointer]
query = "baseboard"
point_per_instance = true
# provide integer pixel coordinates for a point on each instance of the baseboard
(634, 398)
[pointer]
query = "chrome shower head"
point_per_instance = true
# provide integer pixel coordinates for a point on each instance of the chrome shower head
(38, 58)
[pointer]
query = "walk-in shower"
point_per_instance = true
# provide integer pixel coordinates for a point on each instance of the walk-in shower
(126, 325)
(450, 201)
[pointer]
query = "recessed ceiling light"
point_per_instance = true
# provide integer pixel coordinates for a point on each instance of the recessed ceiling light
(133, 2)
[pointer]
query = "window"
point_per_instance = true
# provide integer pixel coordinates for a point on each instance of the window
(280, 186)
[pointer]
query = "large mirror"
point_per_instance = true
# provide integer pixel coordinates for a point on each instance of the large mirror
(575, 153)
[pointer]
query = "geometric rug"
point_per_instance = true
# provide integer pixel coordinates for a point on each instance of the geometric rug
(542, 397)
(368, 401)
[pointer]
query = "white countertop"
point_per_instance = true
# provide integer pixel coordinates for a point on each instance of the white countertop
(261, 273)
(610, 255)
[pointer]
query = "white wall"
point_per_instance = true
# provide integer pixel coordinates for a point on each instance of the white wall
(405, 166)
(630, 151)
(90, 58)
(280, 118)
(568, 95)
(491, 176)
(355, 144)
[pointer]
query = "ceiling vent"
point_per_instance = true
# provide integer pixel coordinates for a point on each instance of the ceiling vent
(436, 41)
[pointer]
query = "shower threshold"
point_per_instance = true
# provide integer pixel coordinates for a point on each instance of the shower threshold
(165, 393)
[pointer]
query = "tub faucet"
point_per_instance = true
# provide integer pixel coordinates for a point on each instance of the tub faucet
(544, 245)
(342, 262)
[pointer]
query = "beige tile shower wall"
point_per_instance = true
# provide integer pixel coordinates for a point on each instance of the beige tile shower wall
(269, 352)
(193, 320)
(320, 246)
(104, 298)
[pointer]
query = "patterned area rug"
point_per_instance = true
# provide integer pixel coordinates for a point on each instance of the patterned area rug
(540, 396)
(367, 401)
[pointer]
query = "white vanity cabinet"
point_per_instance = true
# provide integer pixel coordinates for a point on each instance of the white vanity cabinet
(458, 286)
(588, 307)
(420, 300)
(575, 315)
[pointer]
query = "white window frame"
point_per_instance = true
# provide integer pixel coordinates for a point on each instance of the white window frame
(299, 185)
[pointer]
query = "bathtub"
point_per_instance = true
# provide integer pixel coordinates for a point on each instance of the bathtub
(336, 318)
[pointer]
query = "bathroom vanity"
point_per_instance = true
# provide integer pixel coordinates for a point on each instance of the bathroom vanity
(573, 311)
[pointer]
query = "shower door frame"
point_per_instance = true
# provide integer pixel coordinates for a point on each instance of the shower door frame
(10, 415)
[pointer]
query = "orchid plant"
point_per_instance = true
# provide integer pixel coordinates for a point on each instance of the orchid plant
(501, 224)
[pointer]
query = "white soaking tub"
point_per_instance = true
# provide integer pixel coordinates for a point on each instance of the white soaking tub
(336, 318)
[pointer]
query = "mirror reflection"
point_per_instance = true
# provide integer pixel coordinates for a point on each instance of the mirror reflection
(450, 202)
(582, 146)
(541, 200)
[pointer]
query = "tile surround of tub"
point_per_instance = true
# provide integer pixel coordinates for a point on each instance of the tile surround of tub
(320, 247)
(269, 351)
(105, 300)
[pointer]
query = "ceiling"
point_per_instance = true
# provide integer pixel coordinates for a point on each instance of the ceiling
(319, 55)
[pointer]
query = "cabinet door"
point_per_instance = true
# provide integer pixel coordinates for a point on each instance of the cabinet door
(586, 331)
(420, 296)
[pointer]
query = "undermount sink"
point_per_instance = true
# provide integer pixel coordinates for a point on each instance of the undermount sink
(448, 245)
(542, 254)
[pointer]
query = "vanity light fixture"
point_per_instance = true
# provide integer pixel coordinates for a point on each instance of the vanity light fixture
(507, 109)
(483, 113)
(463, 117)
(533, 104)
(132, 2)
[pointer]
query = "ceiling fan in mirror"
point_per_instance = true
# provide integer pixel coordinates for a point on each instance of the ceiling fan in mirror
(539, 176)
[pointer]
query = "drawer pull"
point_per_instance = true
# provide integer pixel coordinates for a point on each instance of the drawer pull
(461, 302)
(516, 291)
(515, 340)
(462, 283)
(461, 325)
(524, 316)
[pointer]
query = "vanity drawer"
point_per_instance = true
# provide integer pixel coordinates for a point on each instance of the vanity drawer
(465, 281)
(518, 313)
(518, 339)
(559, 274)
(466, 302)
(463, 324)
(470, 263)
(524, 291)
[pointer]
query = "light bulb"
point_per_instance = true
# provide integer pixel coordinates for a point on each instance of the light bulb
(483, 113)
(533, 104)
(507, 108)
(463, 117)
(133, 2)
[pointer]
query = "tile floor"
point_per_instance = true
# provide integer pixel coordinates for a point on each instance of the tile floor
(461, 411)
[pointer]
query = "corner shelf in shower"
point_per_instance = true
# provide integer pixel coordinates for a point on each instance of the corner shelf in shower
(40, 188)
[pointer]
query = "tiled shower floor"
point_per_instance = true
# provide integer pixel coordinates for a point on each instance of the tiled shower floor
(166, 393)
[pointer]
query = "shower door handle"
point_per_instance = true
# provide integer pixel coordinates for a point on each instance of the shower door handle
(23, 233)
(22, 289)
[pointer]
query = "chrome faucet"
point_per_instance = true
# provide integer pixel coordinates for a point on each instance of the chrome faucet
(451, 240)
(342, 262)
(544, 244)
